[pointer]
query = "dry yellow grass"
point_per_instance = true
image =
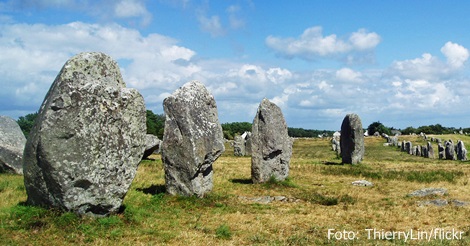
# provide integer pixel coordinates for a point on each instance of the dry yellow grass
(152, 217)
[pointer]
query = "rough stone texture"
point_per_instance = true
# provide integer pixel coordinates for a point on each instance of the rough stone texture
(271, 145)
(152, 144)
(409, 147)
(430, 150)
(429, 192)
(248, 143)
(239, 146)
(441, 151)
(83, 151)
(424, 151)
(12, 142)
(362, 183)
(417, 150)
(450, 150)
(436, 202)
(352, 139)
(461, 151)
(193, 140)
(403, 146)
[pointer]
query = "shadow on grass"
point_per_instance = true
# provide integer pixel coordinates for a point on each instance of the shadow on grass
(329, 163)
(241, 181)
(153, 189)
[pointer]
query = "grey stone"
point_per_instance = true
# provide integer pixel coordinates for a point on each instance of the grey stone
(89, 137)
(430, 150)
(271, 144)
(352, 139)
(362, 183)
(436, 202)
(441, 151)
(12, 142)
(192, 141)
(450, 150)
(417, 150)
(424, 151)
(409, 147)
(152, 145)
(239, 146)
(429, 192)
(458, 203)
(403, 144)
(248, 144)
(461, 151)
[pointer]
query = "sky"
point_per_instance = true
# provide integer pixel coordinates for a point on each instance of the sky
(403, 63)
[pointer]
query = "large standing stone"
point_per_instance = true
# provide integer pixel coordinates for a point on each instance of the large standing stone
(12, 142)
(352, 139)
(192, 141)
(152, 144)
(461, 151)
(450, 150)
(409, 147)
(271, 145)
(83, 151)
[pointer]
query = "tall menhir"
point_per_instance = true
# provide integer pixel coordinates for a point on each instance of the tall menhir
(352, 139)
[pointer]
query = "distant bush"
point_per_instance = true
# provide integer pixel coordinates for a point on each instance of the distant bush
(26, 123)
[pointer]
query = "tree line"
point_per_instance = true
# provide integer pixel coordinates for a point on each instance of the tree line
(156, 126)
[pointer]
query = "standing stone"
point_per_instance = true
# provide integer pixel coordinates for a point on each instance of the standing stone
(271, 145)
(12, 142)
(450, 151)
(441, 151)
(193, 140)
(248, 144)
(403, 146)
(461, 151)
(239, 146)
(89, 137)
(152, 144)
(352, 139)
(409, 147)
(430, 150)
(417, 150)
(424, 151)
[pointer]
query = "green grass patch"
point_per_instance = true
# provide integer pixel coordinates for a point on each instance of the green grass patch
(223, 232)
(275, 183)
(411, 176)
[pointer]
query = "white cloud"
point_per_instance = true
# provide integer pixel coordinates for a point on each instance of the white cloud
(348, 75)
(312, 44)
(32, 56)
(211, 25)
(132, 8)
(456, 54)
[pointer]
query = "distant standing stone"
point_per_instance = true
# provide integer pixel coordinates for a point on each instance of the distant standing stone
(152, 144)
(461, 151)
(192, 141)
(441, 151)
(430, 150)
(450, 151)
(12, 142)
(352, 139)
(239, 146)
(409, 147)
(271, 145)
(248, 144)
(89, 137)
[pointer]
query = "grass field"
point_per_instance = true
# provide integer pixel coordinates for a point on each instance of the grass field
(320, 197)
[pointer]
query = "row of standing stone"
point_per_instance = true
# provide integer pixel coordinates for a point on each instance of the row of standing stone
(89, 138)
(446, 151)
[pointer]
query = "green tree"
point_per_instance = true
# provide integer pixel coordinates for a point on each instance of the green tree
(378, 127)
(155, 124)
(26, 123)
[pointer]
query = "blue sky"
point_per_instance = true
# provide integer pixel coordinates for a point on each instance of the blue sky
(403, 63)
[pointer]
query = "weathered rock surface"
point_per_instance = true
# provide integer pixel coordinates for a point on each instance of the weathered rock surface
(428, 192)
(248, 144)
(461, 151)
(441, 151)
(450, 150)
(12, 142)
(430, 150)
(193, 140)
(239, 146)
(352, 139)
(152, 144)
(362, 183)
(271, 145)
(89, 137)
